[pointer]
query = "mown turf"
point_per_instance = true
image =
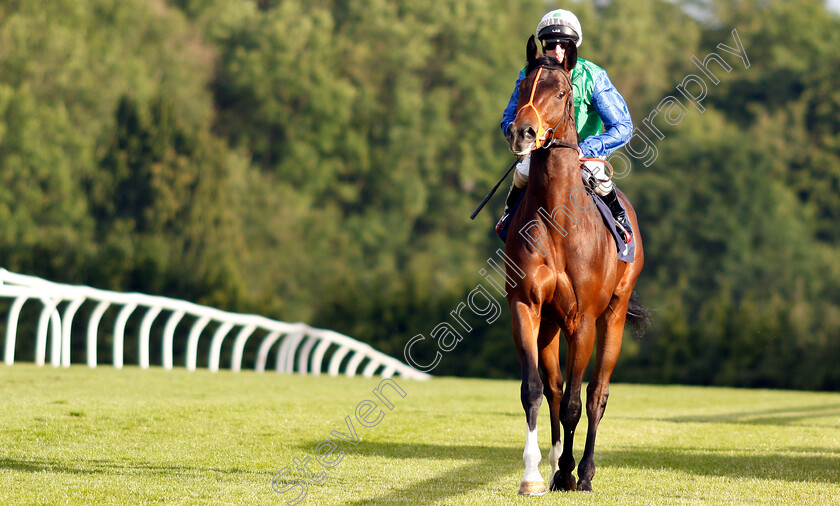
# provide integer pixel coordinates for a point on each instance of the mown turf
(81, 436)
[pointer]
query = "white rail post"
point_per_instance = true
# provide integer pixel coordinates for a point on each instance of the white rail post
(119, 333)
(303, 359)
(353, 365)
(169, 337)
(216, 345)
(11, 328)
(335, 361)
(371, 368)
(67, 328)
(318, 356)
(145, 331)
(265, 346)
(239, 346)
(55, 336)
(93, 330)
(44, 322)
(192, 341)
(286, 354)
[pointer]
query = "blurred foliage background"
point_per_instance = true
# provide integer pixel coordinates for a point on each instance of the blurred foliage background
(318, 161)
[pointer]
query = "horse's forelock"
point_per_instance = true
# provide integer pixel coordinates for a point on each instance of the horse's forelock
(550, 63)
(545, 61)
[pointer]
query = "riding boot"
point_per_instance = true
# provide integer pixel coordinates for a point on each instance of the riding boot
(512, 195)
(619, 215)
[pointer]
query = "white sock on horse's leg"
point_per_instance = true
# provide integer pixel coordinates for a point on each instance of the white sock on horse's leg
(554, 458)
(532, 457)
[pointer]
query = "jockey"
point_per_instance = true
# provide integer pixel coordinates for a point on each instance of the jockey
(597, 104)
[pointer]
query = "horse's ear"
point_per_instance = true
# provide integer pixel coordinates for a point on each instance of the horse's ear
(570, 60)
(531, 51)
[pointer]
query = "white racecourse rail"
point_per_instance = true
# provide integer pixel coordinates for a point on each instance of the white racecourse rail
(301, 347)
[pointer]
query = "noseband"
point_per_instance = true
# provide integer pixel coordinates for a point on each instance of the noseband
(545, 138)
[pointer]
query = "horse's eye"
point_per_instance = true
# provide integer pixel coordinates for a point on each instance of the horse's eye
(561, 94)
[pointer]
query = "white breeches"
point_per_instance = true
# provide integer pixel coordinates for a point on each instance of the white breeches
(520, 175)
(594, 174)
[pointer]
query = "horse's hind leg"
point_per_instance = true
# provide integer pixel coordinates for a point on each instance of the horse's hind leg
(525, 328)
(610, 329)
(549, 343)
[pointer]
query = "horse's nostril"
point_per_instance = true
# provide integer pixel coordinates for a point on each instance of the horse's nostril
(529, 133)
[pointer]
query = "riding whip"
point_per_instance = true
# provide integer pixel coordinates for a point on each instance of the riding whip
(491, 192)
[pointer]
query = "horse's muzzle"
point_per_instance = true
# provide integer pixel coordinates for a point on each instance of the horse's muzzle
(521, 138)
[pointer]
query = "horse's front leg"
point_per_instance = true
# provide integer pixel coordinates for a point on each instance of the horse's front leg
(610, 329)
(580, 350)
(549, 343)
(525, 330)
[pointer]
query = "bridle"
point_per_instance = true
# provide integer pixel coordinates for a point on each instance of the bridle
(545, 138)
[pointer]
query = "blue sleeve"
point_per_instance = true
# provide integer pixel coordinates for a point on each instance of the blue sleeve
(510, 111)
(612, 108)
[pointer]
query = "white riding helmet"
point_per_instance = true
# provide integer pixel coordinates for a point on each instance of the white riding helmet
(560, 23)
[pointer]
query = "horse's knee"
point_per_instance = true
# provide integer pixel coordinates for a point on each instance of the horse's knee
(552, 391)
(532, 388)
(531, 392)
(596, 399)
(598, 388)
(570, 410)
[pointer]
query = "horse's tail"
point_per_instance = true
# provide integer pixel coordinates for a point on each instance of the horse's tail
(638, 316)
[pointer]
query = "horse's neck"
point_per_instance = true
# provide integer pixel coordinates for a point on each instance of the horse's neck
(554, 176)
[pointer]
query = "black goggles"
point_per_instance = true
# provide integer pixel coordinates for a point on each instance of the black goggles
(551, 45)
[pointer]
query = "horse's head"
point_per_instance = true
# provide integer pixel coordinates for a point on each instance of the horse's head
(545, 108)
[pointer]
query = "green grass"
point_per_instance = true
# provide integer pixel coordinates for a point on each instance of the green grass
(81, 436)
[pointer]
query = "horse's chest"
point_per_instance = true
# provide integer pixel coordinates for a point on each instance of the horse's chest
(561, 304)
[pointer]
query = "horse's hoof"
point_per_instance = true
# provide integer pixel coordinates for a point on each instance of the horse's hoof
(563, 483)
(532, 488)
(584, 486)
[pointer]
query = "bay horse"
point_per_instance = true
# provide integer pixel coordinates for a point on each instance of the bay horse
(573, 281)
